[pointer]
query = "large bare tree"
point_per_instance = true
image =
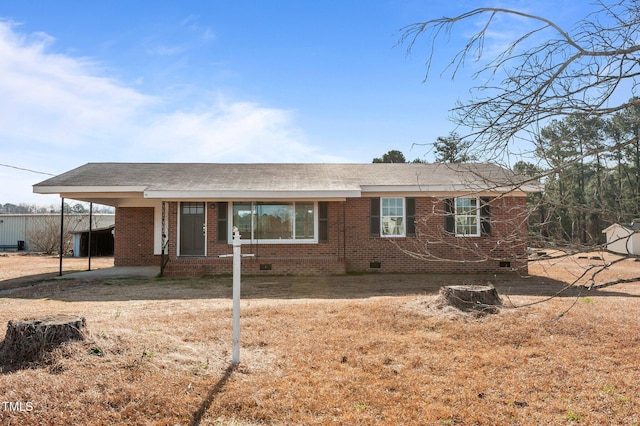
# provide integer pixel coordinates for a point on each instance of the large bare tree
(545, 75)
(545, 72)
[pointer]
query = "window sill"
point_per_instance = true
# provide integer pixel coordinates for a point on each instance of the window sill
(267, 242)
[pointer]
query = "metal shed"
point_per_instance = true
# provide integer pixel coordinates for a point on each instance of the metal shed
(102, 242)
(22, 227)
(623, 239)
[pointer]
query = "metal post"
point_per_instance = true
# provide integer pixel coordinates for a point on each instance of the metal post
(61, 235)
(236, 295)
(90, 230)
(163, 240)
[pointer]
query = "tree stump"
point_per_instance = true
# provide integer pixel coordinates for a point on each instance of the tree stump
(27, 341)
(480, 298)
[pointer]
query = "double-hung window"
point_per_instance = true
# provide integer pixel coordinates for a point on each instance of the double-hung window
(392, 217)
(467, 214)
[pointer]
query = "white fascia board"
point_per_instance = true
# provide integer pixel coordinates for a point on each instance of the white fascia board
(103, 195)
(85, 189)
(253, 195)
(407, 188)
(447, 189)
(529, 187)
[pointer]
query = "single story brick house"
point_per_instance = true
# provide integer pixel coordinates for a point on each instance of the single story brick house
(309, 218)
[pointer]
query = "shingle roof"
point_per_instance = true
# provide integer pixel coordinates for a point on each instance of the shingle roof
(210, 177)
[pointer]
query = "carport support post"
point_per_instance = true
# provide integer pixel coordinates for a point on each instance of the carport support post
(237, 270)
(90, 229)
(61, 234)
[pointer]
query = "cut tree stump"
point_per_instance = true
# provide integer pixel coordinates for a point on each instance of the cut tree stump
(28, 340)
(480, 298)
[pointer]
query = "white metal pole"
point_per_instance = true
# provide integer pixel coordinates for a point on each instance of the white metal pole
(236, 295)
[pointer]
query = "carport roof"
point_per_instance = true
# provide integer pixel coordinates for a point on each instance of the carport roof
(215, 180)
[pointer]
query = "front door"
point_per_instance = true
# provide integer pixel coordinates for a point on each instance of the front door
(192, 229)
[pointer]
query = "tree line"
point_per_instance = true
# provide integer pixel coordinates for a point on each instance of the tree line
(589, 171)
(590, 168)
(23, 208)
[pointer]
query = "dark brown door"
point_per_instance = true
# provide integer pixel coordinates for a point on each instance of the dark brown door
(192, 229)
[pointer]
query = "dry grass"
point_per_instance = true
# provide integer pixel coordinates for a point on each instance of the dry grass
(27, 266)
(335, 350)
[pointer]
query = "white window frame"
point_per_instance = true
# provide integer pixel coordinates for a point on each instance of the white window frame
(475, 214)
(403, 227)
(253, 240)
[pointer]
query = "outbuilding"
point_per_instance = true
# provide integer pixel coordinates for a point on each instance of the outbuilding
(623, 239)
(100, 240)
(33, 232)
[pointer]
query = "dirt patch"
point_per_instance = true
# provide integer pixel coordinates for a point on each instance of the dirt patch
(585, 268)
(19, 268)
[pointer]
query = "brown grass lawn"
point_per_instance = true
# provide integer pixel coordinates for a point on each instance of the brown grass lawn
(368, 349)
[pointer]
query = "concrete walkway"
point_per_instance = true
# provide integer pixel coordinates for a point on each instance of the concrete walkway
(117, 272)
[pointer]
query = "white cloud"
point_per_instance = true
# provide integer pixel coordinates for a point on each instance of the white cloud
(56, 100)
(231, 131)
(58, 112)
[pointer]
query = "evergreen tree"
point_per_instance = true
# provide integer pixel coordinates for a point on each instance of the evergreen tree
(452, 149)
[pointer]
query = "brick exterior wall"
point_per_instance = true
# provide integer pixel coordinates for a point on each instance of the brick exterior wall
(350, 247)
(133, 237)
(433, 250)
(324, 258)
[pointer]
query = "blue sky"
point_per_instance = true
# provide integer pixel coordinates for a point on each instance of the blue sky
(222, 81)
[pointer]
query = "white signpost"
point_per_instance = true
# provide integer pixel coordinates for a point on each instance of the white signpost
(237, 271)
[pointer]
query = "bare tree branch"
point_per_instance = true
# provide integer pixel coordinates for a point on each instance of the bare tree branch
(570, 72)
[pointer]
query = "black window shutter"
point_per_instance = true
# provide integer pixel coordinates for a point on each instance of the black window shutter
(485, 216)
(411, 216)
(223, 222)
(449, 216)
(323, 221)
(374, 217)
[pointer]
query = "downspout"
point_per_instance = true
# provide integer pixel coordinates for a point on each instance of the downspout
(163, 238)
(344, 233)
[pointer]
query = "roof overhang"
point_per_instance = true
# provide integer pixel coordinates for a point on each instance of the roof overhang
(253, 195)
(114, 196)
(448, 189)
(130, 195)
(40, 189)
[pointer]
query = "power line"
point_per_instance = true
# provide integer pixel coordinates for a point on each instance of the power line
(27, 170)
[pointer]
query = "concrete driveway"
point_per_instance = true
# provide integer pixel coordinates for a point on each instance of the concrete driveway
(117, 272)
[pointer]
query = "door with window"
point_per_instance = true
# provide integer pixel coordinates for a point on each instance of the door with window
(192, 229)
